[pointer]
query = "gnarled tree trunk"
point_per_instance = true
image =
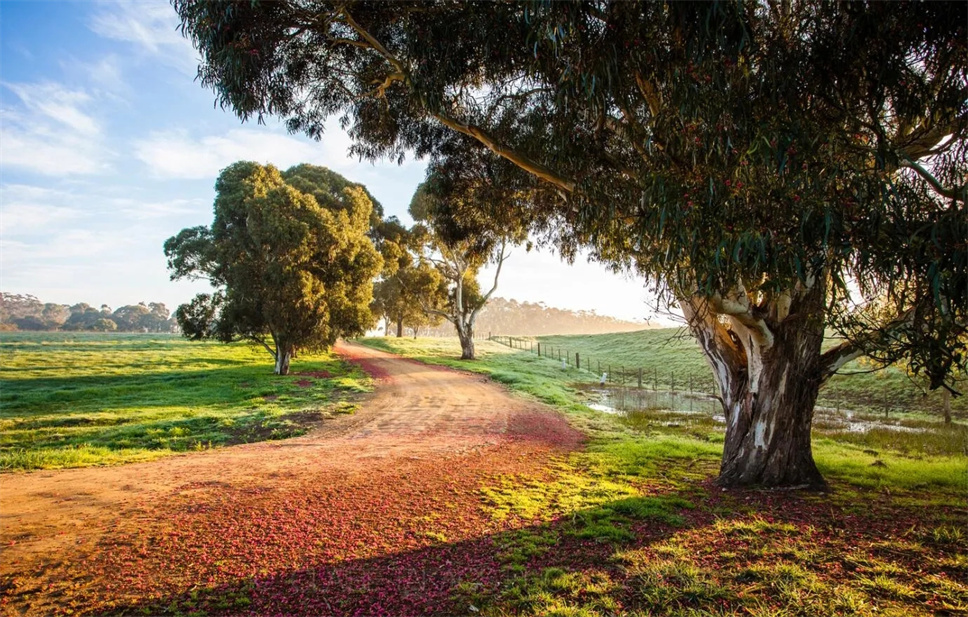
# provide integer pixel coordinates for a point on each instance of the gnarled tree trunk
(466, 335)
(766, 360)
(284, 354)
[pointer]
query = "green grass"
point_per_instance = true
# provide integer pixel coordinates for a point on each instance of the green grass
(645, 443)
(78, 399)
(673, 355)
(631, 525)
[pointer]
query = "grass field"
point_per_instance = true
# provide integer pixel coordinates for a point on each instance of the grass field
(634, 525)
(631, 524)
(671, 354)
(77, 399)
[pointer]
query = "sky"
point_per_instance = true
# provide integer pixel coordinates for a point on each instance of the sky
(108, 147)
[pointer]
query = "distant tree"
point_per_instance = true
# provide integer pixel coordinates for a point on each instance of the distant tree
(103, 324)
(130, 318)
(458, 249)
(86, 317)
(55, 315)
(288, 271)
(30, 323)
(408, 285)
(19, 306)
(157, 319)
(767, 163)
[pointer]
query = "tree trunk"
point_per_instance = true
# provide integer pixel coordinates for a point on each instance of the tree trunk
(466, 336)
(284, 353)
(400, 328)
(946, 401)
(768, 390)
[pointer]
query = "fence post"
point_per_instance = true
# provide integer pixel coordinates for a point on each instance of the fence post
(577, 361)
(655, 380)
(640, 378)
(609, 371)
(539, 350)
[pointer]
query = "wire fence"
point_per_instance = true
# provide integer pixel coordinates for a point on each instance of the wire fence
(611, 373)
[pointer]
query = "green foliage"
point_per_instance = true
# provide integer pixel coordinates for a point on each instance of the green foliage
(410, 287)
(703, 144)
(74, 400)
(284, 266)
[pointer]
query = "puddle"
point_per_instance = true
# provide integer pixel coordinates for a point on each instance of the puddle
(832, 419)
(625, 400)
(675, 405)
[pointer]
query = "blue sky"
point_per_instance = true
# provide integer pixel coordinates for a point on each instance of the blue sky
(108, 147)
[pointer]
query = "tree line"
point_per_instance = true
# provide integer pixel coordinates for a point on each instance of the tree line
(27, 312)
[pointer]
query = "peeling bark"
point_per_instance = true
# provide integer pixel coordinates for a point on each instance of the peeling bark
(768, 387)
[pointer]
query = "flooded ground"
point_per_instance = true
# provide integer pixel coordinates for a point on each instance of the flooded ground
(702, 414)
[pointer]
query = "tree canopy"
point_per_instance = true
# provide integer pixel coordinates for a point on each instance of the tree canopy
(288, 272)
(408, 285)
(777, 167)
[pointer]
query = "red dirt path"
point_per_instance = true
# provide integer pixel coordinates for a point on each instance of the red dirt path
(375, 513)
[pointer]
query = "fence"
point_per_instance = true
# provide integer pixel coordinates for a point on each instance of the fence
(615, 374)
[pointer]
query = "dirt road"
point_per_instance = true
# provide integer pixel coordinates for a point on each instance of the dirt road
(397, 476)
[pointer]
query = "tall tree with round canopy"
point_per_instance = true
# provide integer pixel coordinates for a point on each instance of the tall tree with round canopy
(288, 272)
(777, 167)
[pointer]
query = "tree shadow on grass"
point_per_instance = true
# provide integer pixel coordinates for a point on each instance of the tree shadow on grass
(655, 555)
(443, 578)
(196, 388)
(697, 550)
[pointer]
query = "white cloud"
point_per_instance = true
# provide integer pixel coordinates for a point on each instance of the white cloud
(51, 132)
(177, 155)
(51, 101)
(152, 28)
(28, 209)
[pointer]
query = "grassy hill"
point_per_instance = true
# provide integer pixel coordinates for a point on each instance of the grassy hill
(672, 353)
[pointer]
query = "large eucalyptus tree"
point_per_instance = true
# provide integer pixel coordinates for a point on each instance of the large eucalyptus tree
(778, 166)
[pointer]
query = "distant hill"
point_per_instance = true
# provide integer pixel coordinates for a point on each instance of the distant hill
(513, 318)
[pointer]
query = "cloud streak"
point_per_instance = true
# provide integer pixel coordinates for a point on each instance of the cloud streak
(51, 132)
(175, 154)
(151, 28)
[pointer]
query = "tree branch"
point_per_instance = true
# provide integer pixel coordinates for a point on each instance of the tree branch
(262, 342)
(834, 359)
(958, 193)
(487, 296)
(525, 163)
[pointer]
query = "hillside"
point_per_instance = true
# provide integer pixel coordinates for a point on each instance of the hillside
(513, 318)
